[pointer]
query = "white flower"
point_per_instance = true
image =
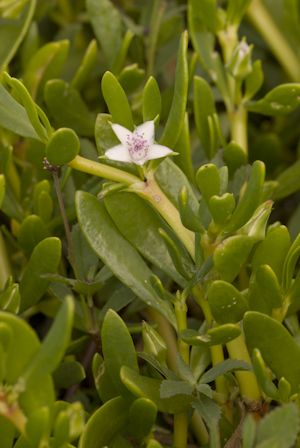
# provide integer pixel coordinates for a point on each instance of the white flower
(138, 146)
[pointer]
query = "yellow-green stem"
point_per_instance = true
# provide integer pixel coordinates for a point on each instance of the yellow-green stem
(249, 388)
(149, 190)
(238, 122)
(265, 25)
(181, 420)
(5, 267)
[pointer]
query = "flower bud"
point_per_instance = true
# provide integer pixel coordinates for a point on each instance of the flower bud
(240, 64)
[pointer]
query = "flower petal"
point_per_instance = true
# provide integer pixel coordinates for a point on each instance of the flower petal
(122, 133)
(119, 153)
(147, 130)
(157, 151)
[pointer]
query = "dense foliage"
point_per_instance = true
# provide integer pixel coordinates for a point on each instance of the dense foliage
(150, 218)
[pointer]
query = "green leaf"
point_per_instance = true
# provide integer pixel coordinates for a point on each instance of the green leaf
(154, 344)
(53, 346)
(32, 110)
(68, 108)
(203, 96)
(116, 101)
(226, 303)
(171, 179)
(204, 44)
(7, 433)
(13, 116)
(221, 207)
(142, 416)
(23, 348)
(282, 423)
(234, 157)
(107, 26)
(208, 409)
(10, 299)
(32, 231)
(239, 178)
(215, 336)
(139, 222)
(131, 77)
(249, 432)
(254, 81)
(207, 13)
(117, 253)
(115, 354)
(172, 388)
(145, 387)
(289, 181)
(151, 100)
(183, 147)
(250, 199)
(273, 251)
(62, 147)
(184, 370)
(67, 374)
(229, 365)
(189, 218)
(13, 31)
(87, 65)
(208, 180)
(177, 113)
(84, 256)
(280, 101)
(158, 366)
(277, 346)
(110, 419)
(38, 426)
(45, 258)
(268, 286)
(121, 56)
(45, 64)
(230, 256)
(236, 10)
(103, 382)
(200, 273)
(266, 384)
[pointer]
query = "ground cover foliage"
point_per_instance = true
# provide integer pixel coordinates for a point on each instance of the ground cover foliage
(150, 219)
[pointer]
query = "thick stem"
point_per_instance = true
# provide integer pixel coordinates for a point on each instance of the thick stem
(238, 122)
(265, 25)
(5, 267)
(152, 193)
(101, 170)
(249, 388)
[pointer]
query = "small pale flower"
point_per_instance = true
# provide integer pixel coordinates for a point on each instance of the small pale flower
(138, 146)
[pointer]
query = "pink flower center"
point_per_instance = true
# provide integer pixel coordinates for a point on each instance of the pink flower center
(137, 146)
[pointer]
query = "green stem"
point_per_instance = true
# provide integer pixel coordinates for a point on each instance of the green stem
(101, 170)
(238, 122)
(249, 388)
(181, 420)
(152, 193)
(5, 267)
(157, 15)
(265, 25)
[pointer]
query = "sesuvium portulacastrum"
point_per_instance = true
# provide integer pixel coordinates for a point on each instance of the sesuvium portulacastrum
(138, 146)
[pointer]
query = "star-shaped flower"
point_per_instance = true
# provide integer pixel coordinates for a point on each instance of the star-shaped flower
(138, 146)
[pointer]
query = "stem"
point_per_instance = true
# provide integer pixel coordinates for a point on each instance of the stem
(249, 388)
(238, 122)
(157, 15)
(54, 171)
(5, 267)
(265, 25)
(181, 420)
(152, 193)
(101, 170)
